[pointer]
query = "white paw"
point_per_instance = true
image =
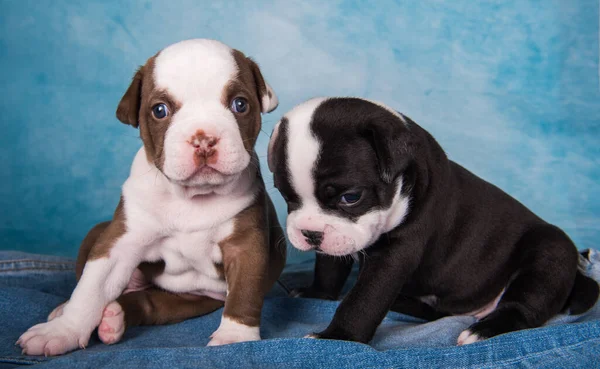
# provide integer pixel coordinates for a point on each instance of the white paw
(58, 311)
(231, 331)
(112, 326)
(55, 337)
(311, 336)
(466, 338)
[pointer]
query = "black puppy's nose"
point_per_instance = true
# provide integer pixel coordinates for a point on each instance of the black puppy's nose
(313, 238)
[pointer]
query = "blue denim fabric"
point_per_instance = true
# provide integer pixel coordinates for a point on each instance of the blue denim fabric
(32, 285)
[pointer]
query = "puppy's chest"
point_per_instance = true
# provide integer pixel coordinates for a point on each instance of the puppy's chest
(188, 236)
(190, 251)
(192, 258)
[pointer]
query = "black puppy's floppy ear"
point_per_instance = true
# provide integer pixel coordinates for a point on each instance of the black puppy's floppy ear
(392, 142)
(129, 107)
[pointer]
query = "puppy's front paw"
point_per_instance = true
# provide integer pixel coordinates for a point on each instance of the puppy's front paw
(313, 336)
(311, 293)
(55, 337)
(336, 334)
(112, 326)
(231, 331)
(467, 337)
(488, 327)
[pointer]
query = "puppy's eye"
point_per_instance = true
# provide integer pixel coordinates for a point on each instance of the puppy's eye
(160, 111)
(239, 105)
(350, 198)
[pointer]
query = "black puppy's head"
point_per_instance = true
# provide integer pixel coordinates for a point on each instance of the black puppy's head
(340, 164)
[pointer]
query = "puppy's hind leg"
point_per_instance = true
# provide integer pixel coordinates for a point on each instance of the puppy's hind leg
(418, 309)
(547, 266)
(151, 307)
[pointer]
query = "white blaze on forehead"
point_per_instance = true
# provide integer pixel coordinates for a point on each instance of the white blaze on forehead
(303, 149)
(195, 69)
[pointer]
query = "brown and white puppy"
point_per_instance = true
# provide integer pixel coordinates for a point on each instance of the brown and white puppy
(194, 229)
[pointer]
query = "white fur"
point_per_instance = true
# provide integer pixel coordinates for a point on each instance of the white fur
(467, 338)
(341, 236)
(230, 331)
(488, 308)
(302, 148)
(269, 103)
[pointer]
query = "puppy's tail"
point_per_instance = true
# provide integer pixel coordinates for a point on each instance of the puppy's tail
(583, 295)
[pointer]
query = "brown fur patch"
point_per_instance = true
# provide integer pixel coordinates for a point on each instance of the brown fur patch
(136, 106)
(253, 259)
(100, 239)
(249, 84)
(156, 306)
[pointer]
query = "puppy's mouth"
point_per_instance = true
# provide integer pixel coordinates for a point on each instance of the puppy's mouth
(202, 176)
(206, 171)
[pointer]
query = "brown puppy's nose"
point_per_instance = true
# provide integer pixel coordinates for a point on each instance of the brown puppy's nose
(203, 143)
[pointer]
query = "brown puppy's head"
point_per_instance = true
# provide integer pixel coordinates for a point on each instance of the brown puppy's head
(198, 106)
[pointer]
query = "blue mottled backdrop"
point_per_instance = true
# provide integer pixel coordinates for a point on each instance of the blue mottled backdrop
(509, 87)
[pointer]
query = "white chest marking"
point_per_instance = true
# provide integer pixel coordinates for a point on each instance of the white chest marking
(183, 232)
(190, 259)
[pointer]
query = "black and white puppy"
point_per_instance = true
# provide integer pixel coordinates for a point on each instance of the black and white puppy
(432, 238)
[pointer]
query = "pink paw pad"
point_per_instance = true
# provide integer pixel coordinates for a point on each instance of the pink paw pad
(112, 326)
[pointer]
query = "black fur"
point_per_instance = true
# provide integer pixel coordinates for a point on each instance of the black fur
(464, 240)
(279, 161)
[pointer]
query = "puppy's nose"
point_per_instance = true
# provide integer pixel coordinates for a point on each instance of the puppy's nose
(313, 238)
(203, 143)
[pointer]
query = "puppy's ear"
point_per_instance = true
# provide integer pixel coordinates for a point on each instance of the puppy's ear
(266, 95)
(393, 145)
(271, 150)
(129, 107)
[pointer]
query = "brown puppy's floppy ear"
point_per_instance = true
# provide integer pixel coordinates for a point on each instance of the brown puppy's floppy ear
(266, 95)
(129, 107)
(393, 145)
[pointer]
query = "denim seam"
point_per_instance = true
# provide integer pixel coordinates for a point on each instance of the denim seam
(505, 362)
(35, 261)
(47, 269)
(19, 360)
